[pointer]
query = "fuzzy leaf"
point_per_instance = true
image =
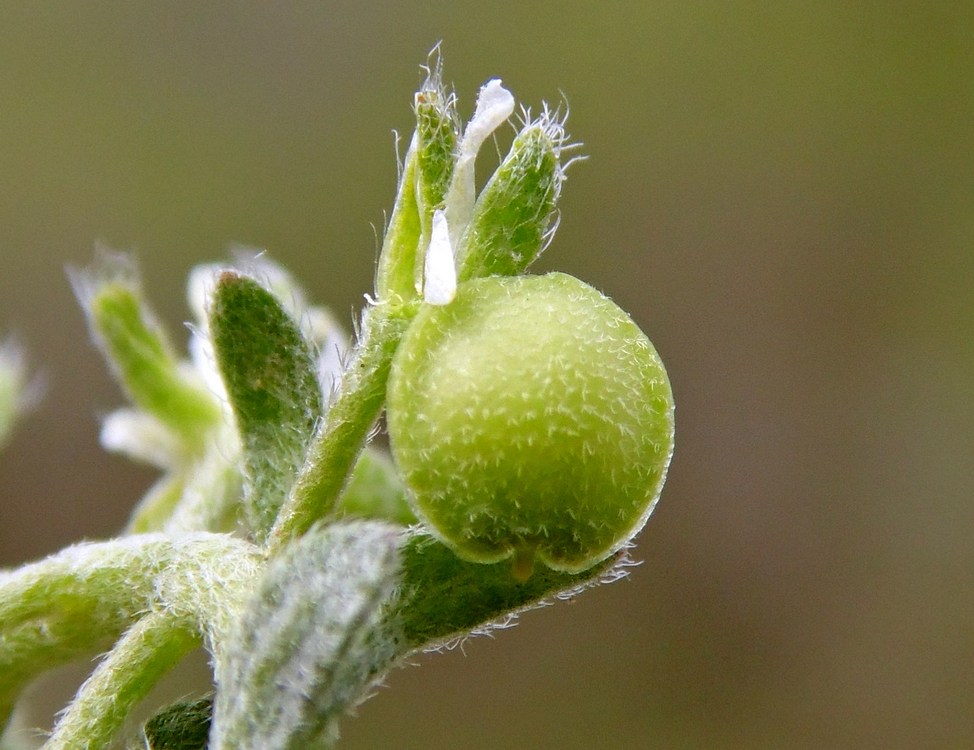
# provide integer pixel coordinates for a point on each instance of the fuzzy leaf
(310, 640)
(269, 372)
(340, 607)
(442, 597)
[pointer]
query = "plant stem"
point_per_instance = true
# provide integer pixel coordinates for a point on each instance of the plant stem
(342, 436)
(31, 648)
(147, 651)
(78, 601)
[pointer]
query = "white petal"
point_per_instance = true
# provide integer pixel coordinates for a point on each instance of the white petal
(494, 105)
(440, 284)
(140, 436)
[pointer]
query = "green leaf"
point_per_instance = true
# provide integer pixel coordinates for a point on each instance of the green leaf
(269, 372)
(310, 641)
(181, 726)
(342, 605)
(442, 597)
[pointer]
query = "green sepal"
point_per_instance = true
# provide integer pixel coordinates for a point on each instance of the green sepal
(436, 147)
(396, 275)
(423, 184)
(513, 215)
(436, 130)
(309, 641)
(269, 372)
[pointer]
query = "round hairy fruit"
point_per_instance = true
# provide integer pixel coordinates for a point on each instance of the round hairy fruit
(530, 417)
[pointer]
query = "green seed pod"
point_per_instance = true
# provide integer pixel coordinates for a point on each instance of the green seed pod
(530, 417)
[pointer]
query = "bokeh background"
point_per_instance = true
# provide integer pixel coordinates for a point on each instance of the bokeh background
(781, 194)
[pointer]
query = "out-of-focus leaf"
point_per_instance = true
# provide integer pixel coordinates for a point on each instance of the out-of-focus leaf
(181, 726)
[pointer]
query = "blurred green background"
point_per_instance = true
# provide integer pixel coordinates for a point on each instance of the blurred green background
(782, 195)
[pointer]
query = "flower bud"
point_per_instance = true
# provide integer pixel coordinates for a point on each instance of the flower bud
(139, 352)
(424, 180)
(513, 217)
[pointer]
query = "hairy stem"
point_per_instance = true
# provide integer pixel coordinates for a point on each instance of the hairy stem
(148, 650)
(341, 438)
(78, 601)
